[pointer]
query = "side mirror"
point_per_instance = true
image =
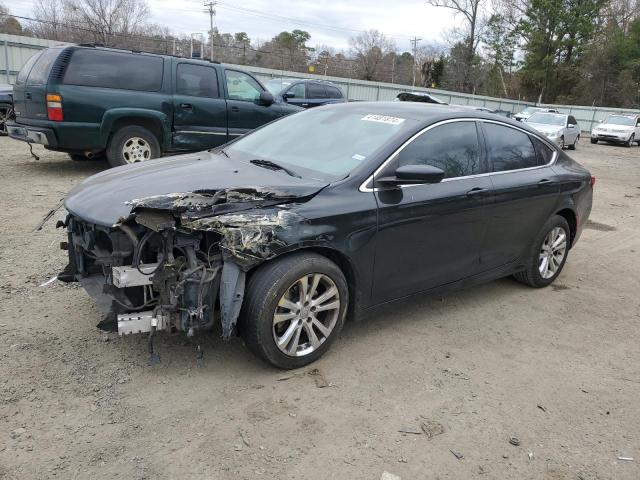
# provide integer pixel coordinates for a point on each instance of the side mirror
(413, 174)
(571, 125)
(289, 95)
(266, 98)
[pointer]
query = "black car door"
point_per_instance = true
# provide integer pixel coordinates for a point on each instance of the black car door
(525, 192)
(430, 235)
(246, 112)
(199, 112)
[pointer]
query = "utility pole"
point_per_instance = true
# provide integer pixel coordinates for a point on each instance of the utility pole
(211, 13)
(414, 42)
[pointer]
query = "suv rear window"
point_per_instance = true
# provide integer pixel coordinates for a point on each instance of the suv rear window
(40, 71)
(127, 71)
(24, 71)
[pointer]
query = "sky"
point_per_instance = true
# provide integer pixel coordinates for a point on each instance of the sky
(329, 22)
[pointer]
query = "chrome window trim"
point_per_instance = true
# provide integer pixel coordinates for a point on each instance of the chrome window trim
(363, 187)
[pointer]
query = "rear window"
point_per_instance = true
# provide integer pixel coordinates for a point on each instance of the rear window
(127, 71)
(197, 81)
(315, 90)
(333, 92)
(40, 71)
(24, 72)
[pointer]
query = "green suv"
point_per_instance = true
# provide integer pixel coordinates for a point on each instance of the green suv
(91, 101)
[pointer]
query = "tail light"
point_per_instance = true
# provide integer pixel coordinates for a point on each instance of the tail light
(593, 180)
(54, 107)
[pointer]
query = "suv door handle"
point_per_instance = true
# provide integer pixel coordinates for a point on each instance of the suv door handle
(544, 182)
(477, 191)
(27, 95)
(186, 106)
(235, 109)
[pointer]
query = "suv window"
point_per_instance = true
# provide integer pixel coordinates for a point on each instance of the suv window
(24, 71)
(333, 92)
(297, 90)
(242, 86)
(508, 148)
(40, 72)
(106, 69)
(196, 81)
(315, 90)
(453, 147)
(572, 120)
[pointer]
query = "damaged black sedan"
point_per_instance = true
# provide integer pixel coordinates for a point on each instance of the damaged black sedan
(281, 234)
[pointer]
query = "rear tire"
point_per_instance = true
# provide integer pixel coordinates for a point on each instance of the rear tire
(132, 144)
(276, 290)
(533, 275)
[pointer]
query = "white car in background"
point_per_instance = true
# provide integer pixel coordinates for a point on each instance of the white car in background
(618, 128)
(559, 128)
(527, 112)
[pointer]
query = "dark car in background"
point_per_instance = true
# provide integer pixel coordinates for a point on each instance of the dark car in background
(305, 93)
(328, 213)
(6, 106)
(89, 101)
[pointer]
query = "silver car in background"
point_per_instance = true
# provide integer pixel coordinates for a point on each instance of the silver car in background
(559, 128)
(527, 112)
(623, 129)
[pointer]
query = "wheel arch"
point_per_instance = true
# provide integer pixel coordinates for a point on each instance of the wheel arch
(155, 122)
(572, 219)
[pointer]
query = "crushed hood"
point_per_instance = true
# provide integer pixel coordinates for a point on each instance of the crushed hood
(184, 182)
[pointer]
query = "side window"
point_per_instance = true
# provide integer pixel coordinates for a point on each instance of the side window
(572, 120)
(24, 71)
(315, 90)
(40, 72)
(508, 148)
(453, 147)
(333, 92)
(241, 86)
(108, 69)
(297, 90)
(196, 81)
(543, 151)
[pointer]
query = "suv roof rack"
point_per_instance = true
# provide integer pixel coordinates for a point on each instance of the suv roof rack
(101, 45)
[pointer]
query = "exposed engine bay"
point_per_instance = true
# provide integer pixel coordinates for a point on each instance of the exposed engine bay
(178, 261)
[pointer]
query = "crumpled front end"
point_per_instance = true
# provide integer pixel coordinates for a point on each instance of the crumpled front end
(178, 261)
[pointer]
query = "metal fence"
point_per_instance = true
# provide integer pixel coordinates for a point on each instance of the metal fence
(15, 51)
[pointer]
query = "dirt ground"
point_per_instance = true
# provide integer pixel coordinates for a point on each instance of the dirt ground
(558, 368)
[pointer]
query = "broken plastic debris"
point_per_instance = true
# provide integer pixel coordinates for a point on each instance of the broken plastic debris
(626, 459)
(458, 455)
(51, 280)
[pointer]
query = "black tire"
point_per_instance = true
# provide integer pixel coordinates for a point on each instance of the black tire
(629, 142)
(5, 112)
(575, 144)
(562, 145)
(263, 292)
(594, 140)
(123, 136)
(531, 274)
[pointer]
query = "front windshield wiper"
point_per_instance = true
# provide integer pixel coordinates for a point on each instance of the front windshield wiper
(273, 166)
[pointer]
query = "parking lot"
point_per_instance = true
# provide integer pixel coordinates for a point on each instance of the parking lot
(557, 368)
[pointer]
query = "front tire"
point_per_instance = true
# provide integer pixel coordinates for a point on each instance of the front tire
(629, 142)
(547, 256)
(294, 309)
(132, 144)
(575, 144)
(594, 140)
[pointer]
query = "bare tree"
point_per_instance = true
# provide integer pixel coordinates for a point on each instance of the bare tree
(369, 49)
(471, 11)
(9, 24)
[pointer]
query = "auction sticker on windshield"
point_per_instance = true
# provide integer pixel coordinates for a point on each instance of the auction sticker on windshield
(383, 119)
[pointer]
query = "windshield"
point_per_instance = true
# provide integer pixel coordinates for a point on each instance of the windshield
(274, 86)
(620, 120)
(548, 119)
(530, 110)
(322, 143)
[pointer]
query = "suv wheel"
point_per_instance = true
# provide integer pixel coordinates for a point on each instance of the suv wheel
(575, 144)
(5, 113)
(132, 144)
(548, 254)
(294, 309)
(632, 139)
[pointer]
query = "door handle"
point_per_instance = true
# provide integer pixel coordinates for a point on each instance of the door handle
(27, 95)
(477, 191)
(235, 109)
(186, 106)
(544, 182)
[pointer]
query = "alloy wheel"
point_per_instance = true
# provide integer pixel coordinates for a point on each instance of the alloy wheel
(306, 315)
(136, 149)
(552, 252)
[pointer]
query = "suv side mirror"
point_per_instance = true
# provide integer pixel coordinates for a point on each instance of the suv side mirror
(289, 95)
(413, 174)
(572, 125)
(266, 98)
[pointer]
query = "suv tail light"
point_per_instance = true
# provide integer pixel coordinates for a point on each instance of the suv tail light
(593, 180)
(54, 107)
